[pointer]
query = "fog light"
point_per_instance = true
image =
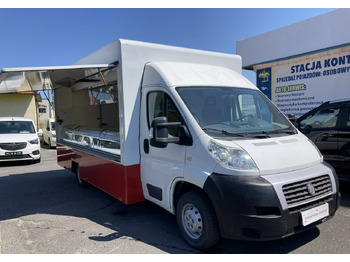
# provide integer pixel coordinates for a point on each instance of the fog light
(36, 152)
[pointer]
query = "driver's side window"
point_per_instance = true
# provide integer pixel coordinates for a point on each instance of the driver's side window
(160, 104)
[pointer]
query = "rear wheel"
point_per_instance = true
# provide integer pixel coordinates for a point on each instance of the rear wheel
(196, 220)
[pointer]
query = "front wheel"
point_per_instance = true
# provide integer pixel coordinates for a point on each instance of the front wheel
(196, 220)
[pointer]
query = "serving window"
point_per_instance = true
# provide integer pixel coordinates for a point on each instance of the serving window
(87, 111)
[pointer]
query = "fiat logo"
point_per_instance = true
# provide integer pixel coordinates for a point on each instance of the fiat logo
(310, 188)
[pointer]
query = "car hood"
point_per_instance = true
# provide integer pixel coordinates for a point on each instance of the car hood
(12, 138)
(281, 154)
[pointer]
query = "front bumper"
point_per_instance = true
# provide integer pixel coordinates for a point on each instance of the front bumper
(255, 208)
(29, 153)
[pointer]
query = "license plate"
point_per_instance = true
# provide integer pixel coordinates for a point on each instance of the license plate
(18, 153)
(315, 214)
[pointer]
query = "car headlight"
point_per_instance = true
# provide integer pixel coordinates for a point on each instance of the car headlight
(233, 158)
(34, 141)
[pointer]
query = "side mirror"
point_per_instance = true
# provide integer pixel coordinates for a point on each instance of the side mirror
(159, 133)
(292, 119)
(307, 129)
(40, 132)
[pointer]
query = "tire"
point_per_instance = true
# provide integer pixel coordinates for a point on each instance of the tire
(81, 182)
(197, 221)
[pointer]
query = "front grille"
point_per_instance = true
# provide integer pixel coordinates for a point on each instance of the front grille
(13, 146)
(298, 194)
(14, 157)
(310, 205)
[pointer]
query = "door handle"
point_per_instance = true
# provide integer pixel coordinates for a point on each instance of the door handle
(327, 135)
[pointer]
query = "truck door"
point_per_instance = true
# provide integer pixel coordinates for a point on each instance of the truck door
(344, 143)
(321, 128)
(159, 166)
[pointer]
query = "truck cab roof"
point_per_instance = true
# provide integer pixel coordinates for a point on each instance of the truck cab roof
(191, 74)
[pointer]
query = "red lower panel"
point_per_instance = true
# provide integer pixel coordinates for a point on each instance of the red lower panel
(121, 182)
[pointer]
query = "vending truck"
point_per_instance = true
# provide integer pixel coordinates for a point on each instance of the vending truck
(185, 130)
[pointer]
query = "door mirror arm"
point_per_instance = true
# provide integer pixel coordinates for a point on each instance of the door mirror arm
(159, 133)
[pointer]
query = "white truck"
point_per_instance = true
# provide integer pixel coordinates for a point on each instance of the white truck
(49, 132)
(185, 130)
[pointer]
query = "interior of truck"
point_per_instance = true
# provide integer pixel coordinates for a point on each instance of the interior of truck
(87, 110)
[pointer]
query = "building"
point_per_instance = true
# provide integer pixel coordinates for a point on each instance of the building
(302, 65)
(21, 99)
(22, 104)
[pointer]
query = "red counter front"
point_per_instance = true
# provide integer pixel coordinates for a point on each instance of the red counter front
(121, 182)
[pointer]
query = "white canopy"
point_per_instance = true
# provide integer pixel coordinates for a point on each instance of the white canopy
(13, 80)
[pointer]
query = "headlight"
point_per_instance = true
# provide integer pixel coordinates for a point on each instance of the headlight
(34, 141)
(233, 158)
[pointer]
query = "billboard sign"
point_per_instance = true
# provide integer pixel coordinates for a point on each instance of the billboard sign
(299, 87)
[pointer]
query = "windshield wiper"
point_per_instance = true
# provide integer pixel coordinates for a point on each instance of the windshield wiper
(267, 134)
(222, 131)
(281, 131)
(262, 134)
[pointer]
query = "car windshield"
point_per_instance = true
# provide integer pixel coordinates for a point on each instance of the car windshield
(16, 127)
(235, 111)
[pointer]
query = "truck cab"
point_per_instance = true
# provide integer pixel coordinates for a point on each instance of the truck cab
(218, 154)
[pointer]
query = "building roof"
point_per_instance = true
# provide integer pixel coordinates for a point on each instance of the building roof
(316, 34)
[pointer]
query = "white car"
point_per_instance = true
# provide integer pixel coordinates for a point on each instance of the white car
(49, 132)
(19, 139)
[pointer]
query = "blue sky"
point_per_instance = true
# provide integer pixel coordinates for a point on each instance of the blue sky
(61, 36)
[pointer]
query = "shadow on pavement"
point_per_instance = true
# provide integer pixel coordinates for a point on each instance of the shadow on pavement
(55, 192)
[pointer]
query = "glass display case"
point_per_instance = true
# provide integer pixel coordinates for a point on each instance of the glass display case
(105, 140)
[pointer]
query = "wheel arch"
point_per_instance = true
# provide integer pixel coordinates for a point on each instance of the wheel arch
(182, 187)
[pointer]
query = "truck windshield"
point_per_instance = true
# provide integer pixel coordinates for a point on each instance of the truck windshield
(235, 111)
(16, 127)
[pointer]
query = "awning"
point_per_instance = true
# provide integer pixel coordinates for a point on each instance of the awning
(14, 80)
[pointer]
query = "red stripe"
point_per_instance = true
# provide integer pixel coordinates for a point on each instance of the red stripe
(117, 180)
